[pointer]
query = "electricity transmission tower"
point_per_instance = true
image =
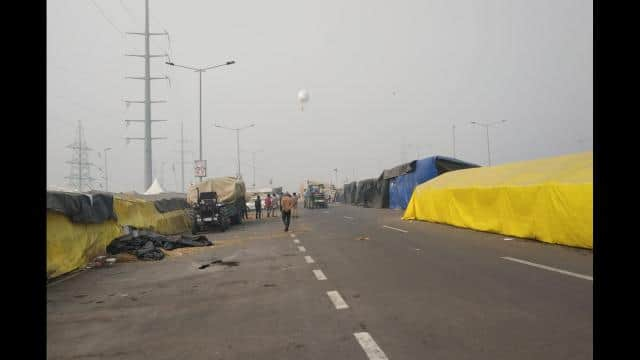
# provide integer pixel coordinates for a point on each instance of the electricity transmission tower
(80, 175)
(148, 166)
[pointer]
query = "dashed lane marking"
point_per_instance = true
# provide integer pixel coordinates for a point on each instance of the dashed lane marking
(309, 259)
(319, 275)
(337, 300)
(370, 347)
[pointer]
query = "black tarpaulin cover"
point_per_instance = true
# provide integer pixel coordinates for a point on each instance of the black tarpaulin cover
(91, 208)
(373, 193)
(350, 191)
(399, 170)
(147, 245)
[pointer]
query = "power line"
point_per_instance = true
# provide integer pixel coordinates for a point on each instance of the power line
(106, 17)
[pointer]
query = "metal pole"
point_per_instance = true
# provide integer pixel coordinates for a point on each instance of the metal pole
(238, 151)
(147, 101)
(182, 154)
(488, 147)
(80, 156)
(454, 141)
(106, 176)
(253, 156)
(200, 158)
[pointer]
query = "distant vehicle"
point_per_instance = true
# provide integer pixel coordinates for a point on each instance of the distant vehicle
(315, 196)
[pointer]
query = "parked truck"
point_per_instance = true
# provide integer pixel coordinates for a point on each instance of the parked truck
(230, 191)
(315, 195)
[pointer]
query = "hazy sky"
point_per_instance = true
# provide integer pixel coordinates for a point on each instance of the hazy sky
(387, 81)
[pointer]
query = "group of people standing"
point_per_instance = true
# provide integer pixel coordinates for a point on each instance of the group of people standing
(287, 203)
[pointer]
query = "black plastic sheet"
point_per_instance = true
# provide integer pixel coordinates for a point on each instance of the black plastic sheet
(91, 208)
(147, 245)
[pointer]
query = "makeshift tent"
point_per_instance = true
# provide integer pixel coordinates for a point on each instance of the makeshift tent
(549, 199)
(350, 193)
(154, 189)
(404, 178)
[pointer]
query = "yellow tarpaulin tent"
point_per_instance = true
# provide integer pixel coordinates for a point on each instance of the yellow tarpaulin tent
(548, 199)
(72, 245)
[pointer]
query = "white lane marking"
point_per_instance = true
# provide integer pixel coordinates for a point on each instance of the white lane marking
(296, 241)
(348, 217)
(302, 249)
(392, 228)
(308, 259)
(508, 239)
(337, 300)
(292, 235)
(370, 347)
(586, 277)
(326, 212)
(319, 275)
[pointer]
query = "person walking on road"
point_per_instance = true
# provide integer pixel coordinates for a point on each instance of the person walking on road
(258, 204)
(268, 205)
(286, 205)
(294, 212)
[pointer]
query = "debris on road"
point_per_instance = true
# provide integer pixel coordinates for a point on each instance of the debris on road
(147, 245)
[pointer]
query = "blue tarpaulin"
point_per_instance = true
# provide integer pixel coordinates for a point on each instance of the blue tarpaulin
(401, 187)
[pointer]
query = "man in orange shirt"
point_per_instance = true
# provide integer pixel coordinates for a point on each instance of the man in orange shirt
(286, 205)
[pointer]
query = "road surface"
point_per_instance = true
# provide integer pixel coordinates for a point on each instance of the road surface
(344, 283)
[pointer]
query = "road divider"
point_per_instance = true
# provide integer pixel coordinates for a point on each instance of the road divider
(581, 276)
(396, 229)
(337, 300)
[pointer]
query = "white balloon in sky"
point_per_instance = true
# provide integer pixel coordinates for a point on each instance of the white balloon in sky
(303, 96)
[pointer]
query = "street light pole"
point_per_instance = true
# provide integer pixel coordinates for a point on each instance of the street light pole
(106, 176)
(200, 71)
(486, 126)
(454, 140)
(237, 130)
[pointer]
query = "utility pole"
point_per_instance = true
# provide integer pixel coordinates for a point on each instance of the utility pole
(106, 174)
(80, 175)
(253, 157)
(336, 171)
(486, 126)
(454, 140)
(237, 130)
(182, 155)
(148, 164)
(200, 71)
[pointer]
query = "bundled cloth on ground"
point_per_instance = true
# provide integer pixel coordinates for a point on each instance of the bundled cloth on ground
(147, 245)
(72, 244)
(404, 178)
(549, 199)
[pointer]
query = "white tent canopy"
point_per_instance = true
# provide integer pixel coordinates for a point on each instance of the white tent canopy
(154, 189)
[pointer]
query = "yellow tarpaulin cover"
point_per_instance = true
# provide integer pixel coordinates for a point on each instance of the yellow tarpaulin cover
(72, 245)
(549, 199)
(228, 189)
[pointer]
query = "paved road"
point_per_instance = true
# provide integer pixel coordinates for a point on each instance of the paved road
(377, 288)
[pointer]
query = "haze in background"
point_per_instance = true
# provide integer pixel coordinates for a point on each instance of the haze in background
(387, 81)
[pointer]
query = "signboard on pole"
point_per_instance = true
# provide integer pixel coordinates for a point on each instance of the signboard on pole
(200, 168)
